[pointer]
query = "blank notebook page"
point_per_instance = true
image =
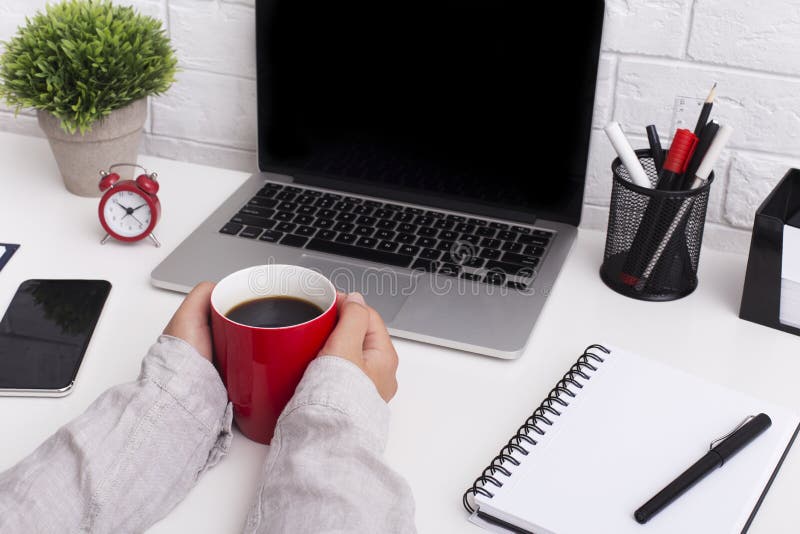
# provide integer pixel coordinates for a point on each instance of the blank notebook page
(633, 428)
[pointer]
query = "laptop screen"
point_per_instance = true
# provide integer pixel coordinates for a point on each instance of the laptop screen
(476, 105)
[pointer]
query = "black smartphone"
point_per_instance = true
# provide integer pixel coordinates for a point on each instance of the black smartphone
(44, 334)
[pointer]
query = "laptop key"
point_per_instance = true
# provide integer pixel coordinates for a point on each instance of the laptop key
(507, 235)
(510, 268)
(490, 254)
(409, 250)
(369, 254)
(303, 219)
(543, 233)
(477, 222)
(470, 238)
(521, 229)
(286, 195)
(293, 240)
(445, 224)
(495, 278)
(328, 235)
(385, 234)
(465, 227)
(305, 199)
(425, 265)
(484, 231)
(456, 218)
(415, 211)
(445, 245)
(231, 229)
(490, 243)
(368, 242)
(326, 214)
(386, 224)
(306, 210)
(424, 220)
(305, 231)
(430, 254)
(405, 238)
(435, 214)
(471, 277)
(263, 202)
(250, 232)
(344, 227)
(292, 189)
(449, 269)
(365, 231)
(470, 261)
(498, 225)
(284, 216)
(520, 259)
(256, 211)
(346, 238)
(404, 216)
(427, 232)
(426, 242)
(532, 250)
(364, 220)
(533, 240)
(271, 236)
(324, 223)
(394, 207)
(407, 228)
(519, 286)
(267, 193)
(388, 246)
(325, 202)
(286, 227)
(362, 209)
(512, 247)
(343, 206)
(286, 206)
(383, 213)
(249, 220)
(353, 200)
(373, 203)
(346, 217)
(273, 185)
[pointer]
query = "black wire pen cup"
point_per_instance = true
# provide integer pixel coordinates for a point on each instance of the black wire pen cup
(654, 236)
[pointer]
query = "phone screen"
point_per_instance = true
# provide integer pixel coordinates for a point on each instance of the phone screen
(45, 332)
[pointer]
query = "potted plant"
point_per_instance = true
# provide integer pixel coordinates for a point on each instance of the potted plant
(87, 67)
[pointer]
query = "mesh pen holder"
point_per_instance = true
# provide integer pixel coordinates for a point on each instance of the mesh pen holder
(654, 236)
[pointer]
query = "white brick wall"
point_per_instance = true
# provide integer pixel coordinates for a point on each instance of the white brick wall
(653, 51)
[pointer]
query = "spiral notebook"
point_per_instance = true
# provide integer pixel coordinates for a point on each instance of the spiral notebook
(614, 431)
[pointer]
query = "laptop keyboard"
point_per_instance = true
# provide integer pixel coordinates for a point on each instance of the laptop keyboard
(437, 242)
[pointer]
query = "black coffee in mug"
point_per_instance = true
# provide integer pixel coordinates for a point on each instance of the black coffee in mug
(274, 312)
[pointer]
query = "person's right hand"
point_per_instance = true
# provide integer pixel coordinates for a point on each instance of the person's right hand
(361, 337)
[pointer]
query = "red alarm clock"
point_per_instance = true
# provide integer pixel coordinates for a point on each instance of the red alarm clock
(129, 209)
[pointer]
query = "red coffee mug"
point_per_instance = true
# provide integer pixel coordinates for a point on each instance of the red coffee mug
(261, 367)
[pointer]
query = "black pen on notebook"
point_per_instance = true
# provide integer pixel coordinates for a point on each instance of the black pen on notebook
(720, 451)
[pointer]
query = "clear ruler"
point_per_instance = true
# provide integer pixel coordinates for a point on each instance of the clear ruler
(685, 112)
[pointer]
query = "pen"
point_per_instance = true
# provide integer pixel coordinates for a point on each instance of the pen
(706, 137)
(717, 455)
(700, 177)
(655, 147)
(706, 111)
(681, 150)
(627, 155)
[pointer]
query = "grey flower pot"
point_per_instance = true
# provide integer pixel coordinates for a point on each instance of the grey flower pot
(113, 139)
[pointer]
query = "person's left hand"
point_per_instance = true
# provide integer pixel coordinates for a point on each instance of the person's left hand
(191, 321)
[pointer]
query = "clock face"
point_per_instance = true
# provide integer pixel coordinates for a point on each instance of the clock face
(127, 214)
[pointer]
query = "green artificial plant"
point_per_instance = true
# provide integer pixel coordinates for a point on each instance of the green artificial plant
(82, 59)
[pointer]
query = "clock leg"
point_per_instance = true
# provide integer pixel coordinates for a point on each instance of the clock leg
(155, 240)
(106, 238)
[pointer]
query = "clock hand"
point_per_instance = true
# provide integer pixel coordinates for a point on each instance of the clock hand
(135, 219)
(120, 205)
(137, 207)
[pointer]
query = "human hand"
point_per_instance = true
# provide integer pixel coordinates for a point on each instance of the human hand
(191, 321)
(361, 337)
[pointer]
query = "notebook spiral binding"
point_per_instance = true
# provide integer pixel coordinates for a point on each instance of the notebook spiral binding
(544, 415)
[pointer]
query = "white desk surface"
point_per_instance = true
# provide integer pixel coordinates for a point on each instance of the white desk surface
(453, 411)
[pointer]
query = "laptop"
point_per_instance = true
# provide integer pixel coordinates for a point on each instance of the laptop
(429, 154)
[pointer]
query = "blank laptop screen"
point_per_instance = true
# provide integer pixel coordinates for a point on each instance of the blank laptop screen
(484, 105)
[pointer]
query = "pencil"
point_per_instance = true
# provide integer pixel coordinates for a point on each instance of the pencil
(706, 111)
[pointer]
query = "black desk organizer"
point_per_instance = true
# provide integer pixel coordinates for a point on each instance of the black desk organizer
(638, 220)
(761, 297)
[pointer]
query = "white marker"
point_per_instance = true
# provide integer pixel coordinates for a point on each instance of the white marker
(627, 155)
(712, 155)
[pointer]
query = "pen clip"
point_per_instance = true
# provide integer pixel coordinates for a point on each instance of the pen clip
(726, 436)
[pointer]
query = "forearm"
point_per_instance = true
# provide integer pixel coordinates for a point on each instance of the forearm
(324, 471)
(130, 458)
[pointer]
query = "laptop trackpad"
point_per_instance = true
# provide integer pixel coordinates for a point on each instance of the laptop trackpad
(384, 289)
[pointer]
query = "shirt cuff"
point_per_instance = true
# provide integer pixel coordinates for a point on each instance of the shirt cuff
(177, 368)
(340, 384)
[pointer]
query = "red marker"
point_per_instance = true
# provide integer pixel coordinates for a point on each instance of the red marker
(680, 153)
